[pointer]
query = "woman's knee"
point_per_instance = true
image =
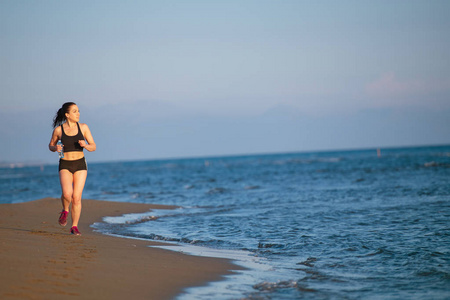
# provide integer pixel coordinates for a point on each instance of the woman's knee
(76, 200)
(67, 196)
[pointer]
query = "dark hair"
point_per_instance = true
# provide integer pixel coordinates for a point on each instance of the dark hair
(60, 116)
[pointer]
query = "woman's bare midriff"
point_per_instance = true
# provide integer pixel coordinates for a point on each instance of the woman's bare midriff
(73, 155)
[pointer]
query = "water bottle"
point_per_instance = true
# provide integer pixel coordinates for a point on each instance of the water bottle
(61, 154)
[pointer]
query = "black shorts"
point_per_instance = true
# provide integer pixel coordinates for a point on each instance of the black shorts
(73, 165)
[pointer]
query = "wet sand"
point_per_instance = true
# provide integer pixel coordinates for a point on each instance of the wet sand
(39, 259)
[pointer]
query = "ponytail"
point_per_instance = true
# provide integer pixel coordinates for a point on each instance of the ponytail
(60, 116)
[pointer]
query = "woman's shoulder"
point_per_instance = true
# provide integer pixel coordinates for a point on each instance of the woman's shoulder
(84, 127)
(57, 130)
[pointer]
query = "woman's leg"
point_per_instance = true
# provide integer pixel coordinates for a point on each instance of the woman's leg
(66, 180)
(79, 179)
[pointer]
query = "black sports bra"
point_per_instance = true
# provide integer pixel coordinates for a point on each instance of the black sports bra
(71, 142)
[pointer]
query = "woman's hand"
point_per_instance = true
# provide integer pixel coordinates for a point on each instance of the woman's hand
(59, 148)
(82, 143)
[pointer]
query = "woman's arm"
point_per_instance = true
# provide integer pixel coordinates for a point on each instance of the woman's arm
(90, 145)
(54, 140)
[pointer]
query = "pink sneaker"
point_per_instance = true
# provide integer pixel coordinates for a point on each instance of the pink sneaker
(63, 218)
(74, 230)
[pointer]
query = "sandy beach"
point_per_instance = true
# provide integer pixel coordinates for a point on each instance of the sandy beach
(39, 259)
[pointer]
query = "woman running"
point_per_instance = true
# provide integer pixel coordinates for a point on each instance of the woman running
(75, 137)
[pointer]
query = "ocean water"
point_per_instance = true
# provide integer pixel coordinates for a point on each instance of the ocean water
(319, 225)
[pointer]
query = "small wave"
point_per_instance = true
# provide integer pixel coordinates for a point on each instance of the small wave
(376, 252)
(218, 190)
(15, 191)
(330, 159)
(431, 164)
(435, 164)
(170, 166)
(209, 180)
(142, 195)
(313, 274)
(307, 161)
(139, 218)
(12, 176)
(437, 254)
(432, 272)
(110, 193)
(142, 220)
(270, 245)
(252, 187)
(309, 262)
(273, 286)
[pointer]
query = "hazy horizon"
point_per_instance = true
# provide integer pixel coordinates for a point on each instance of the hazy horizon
(20, 164)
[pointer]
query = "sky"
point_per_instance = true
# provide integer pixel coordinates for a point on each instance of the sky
(169, 79)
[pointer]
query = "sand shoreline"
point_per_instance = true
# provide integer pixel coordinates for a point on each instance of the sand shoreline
(41, 260)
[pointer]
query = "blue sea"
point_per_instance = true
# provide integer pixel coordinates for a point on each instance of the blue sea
(318, 225)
